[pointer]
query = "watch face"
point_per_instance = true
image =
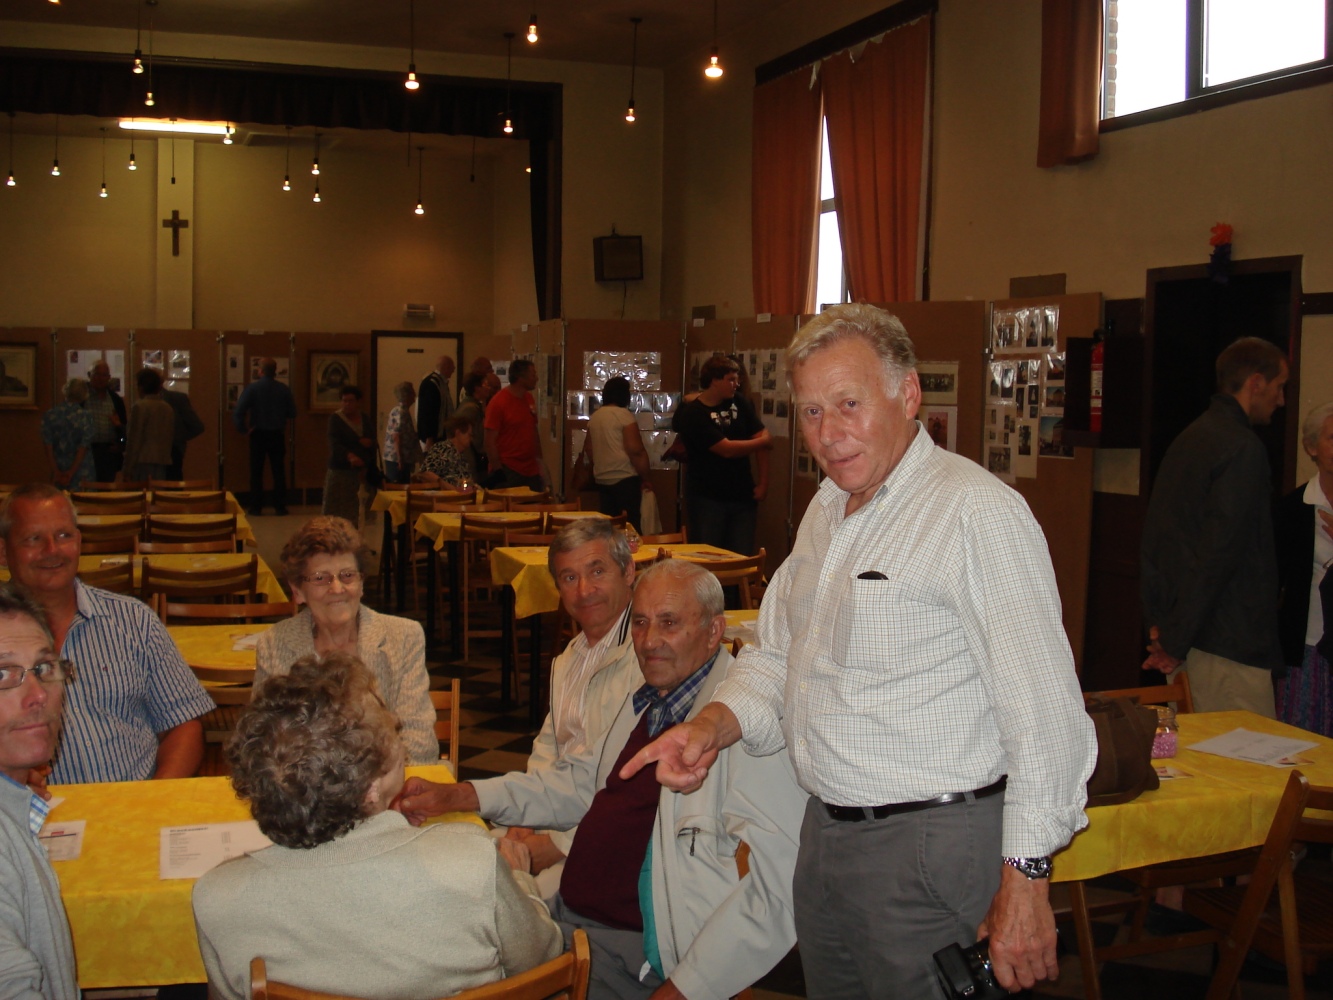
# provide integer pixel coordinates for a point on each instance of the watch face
(1031, 867)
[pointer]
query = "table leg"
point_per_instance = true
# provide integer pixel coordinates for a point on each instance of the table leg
(1087, 948)
(455, 598)
(431, 596)
(404, 556)
(506, 645)
(534, 672)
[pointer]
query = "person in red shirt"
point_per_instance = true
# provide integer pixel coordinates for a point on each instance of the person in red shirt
(513, 449)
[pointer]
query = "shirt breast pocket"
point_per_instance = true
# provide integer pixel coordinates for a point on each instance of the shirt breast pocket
(877, 621)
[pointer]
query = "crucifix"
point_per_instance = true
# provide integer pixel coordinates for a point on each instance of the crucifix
(175, 224)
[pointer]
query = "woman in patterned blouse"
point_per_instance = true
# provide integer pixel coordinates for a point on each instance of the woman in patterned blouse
(449, 462)
(402, 450)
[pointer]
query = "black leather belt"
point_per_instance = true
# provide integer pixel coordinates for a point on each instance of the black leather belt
(855, 814)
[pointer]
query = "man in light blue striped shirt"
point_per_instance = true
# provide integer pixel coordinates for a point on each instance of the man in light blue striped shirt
(135, 712)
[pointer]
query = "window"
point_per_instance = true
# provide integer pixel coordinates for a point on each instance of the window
(1162, 52)
(830, 278)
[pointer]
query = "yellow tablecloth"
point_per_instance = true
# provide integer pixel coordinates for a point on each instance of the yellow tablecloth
(211, 645)
(524, 569)
(130, 927)
(267, 583)
(1227, 805)
(443, 528)
(244, 532)
(395, 501)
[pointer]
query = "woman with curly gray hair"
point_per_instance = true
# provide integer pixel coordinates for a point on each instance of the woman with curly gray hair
(317, 756)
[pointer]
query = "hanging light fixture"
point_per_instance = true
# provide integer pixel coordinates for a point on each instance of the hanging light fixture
(148, 99)
(509, 76)
(227, 139)
(55, 163)
(411, 83)
(102, 193)
(532, 29)
(314, 167)
(633, 67)
(137, 66)
(714, 68)
(287, 176)
(421, 208)
(10, 182)
(316, 199)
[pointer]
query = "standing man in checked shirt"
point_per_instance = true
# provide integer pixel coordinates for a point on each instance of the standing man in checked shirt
(910, 655)
(36, 951)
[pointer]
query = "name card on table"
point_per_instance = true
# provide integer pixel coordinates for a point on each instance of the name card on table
(189, 851)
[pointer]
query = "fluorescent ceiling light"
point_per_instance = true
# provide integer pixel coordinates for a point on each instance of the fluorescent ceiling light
(192, 128)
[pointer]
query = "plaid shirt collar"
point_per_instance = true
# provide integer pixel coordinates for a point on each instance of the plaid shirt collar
(672, 708)
(37, 806)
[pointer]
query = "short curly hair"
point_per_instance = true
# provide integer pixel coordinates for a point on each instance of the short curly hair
(307, 749)
(323, 535)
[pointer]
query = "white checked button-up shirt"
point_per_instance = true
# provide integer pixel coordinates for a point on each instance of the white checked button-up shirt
(951, 671)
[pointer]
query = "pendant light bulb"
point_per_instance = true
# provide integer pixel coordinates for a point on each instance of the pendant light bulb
(412, 83)
(714, 69)
(148, 101)
(629, 113)
(316, 199)
(133, 165)
(509, 77)
(314, 166)
(11, 182)
(421, 153)
(420, 209)
(633, 68)
(287, 183)
(287, 174)
(509, 126)
(102, 193)
(55, 168)
(137, 68)
(227, 139)
(55, 160)
(532, 29)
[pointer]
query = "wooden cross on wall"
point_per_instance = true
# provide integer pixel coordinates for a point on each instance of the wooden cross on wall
(175, 224)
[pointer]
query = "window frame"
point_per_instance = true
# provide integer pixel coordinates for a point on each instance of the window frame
(1201, 98)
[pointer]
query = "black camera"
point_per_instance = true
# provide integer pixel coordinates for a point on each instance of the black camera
(967, 973)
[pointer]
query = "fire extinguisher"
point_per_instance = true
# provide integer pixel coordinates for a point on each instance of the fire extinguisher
(1095, 400)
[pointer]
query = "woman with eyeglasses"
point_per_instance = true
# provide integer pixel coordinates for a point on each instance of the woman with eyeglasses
(323, 566)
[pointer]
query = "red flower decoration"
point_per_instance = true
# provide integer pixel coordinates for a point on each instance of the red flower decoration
(1221, 234)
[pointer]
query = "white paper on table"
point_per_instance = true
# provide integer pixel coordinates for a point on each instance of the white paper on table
(240, 643)
(189, 851)
(1257, 748)
(63, 841)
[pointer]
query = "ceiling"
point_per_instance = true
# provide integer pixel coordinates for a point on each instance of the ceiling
(595, 31)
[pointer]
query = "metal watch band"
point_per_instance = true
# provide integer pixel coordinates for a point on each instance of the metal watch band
(1031, 867)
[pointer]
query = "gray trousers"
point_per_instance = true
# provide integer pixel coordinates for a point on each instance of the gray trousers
(875, 900)
(617, 956)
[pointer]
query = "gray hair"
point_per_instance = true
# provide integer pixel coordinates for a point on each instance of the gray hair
(1314, 424)
(707, 590)
(31, 491)
(883, 332)
(15, 601)
(76, 390)
(401, 390)
(583, 530)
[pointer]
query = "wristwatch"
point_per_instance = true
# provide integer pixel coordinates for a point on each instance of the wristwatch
(1031, 867)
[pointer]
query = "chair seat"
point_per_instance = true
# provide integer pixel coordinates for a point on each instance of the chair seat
(1314, 914)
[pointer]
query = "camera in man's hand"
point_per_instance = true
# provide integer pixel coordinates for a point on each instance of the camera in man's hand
(967, 973)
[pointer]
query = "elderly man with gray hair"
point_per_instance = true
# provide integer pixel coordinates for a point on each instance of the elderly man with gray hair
(671, 904)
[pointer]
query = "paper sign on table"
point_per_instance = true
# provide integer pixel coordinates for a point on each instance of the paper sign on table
(63, 841)
(189, 851)
(1257, 748)
(240, 643)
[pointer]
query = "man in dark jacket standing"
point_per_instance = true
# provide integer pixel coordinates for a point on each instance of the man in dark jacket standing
(187, 427)
(109, 420)
(1209, 570)
(269, 405)
(435, 403)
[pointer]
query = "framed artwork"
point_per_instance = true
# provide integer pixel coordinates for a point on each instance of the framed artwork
(18, 376)
(329, 372)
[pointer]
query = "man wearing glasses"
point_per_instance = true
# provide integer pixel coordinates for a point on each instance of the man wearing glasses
(36, 952)
(135, 714)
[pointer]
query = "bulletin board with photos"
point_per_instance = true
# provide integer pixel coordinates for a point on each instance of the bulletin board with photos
(652, 407)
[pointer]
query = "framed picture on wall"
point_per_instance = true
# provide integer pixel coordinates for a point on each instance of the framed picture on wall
(329, 372)
(18, 376)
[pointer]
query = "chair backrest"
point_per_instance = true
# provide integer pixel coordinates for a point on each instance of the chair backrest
(165, 528)
(238, 580)
(110, 546)
(445, 506)
(120, 536)
(118, 578)
(747, 573)
(211, 502)
(177, 548)
(114, 487)
(448, 720)
(513, 538)
(182, 484)
(666, 538)
(224, 675)
(1177, 692)
(473, 529)
(564, 977)
(619, 520)
(178, 612)
(112, 503)
(511, 502)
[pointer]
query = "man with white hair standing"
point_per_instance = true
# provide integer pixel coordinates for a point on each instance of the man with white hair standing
(910, 656)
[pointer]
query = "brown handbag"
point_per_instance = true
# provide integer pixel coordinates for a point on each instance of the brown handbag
(1124, 770)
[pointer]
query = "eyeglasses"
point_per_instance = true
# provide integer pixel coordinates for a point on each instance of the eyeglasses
(48, 672)
(347, 577)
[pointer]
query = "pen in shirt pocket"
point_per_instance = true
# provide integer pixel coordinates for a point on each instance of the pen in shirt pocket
(871, 574)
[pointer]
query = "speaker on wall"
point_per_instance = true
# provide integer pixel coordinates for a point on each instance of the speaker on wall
(617, 258)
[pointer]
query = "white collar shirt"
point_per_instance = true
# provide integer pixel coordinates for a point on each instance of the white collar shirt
(568, 704)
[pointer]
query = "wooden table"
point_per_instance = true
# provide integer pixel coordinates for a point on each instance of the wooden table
(1226, 805)
(212, 645)
(130, 927)
(267, 582)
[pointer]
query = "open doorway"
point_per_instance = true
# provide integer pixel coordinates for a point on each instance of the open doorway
(408, 357)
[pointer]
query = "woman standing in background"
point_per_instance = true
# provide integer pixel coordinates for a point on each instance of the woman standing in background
(67, 432)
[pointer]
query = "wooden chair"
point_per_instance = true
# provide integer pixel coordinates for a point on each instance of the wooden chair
(563, 978)
(515, 538)
(98, 539)
(94, 503)
(93, 487)
(250, 612)
(179, 548)
(512, 502)
(667, 538)
(219, 724)
(478, 535)
(1299, 929)
(212, 502)
(1176, 693)
(222, 528)
(237, 581)
(182, 484)
(448, 717)
(423, 501)
(746, 574)
(118, 578)
(619, 520)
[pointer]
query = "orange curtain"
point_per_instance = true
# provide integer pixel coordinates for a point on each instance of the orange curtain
(876, 113)
(1071, 81)
(785, 194)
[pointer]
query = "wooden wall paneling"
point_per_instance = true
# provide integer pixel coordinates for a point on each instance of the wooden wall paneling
(1061, 495)
(777, 519)
(312, 427)
(624, 335)
(27, 462)
(203, 388)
